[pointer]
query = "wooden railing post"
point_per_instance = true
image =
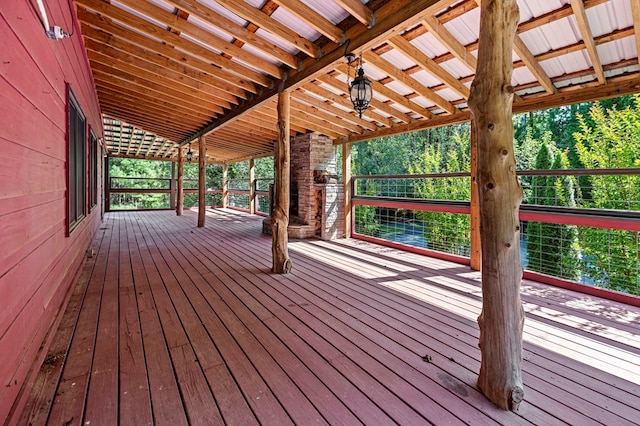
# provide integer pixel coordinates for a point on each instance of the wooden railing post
(346, 178)
(172, 187)
(252, 187)
(225, 186)
(180, 195)
(202, 185)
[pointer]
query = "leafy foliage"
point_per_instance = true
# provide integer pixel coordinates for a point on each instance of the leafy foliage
(611, 139)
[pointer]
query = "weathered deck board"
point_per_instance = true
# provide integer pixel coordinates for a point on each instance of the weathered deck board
(187, 325)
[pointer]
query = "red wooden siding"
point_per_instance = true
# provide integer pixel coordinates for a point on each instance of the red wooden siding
(37, 261)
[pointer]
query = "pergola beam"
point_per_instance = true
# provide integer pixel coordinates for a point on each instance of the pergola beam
(583, 24)
(398, 14)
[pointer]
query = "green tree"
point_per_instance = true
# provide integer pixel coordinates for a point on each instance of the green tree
(610, 138)
(446, 232)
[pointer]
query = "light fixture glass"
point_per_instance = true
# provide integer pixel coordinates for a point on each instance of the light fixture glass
(189, 154)
(360, 90)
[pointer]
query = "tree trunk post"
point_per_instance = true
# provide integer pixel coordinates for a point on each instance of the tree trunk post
(225, 186)
(252, 187)
(346, 180)
(280, 216)
(180, 194)
(502, 319)
(476, 250)
(202, 183)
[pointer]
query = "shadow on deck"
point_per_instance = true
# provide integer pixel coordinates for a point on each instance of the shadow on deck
(173, 324)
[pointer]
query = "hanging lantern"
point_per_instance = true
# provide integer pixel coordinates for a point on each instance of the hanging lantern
(189, 154)
(360, 90)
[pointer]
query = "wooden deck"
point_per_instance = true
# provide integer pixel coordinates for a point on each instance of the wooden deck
(172, 324)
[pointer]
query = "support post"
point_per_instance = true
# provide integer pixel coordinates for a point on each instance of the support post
(346, 180)
(225, 186)
(202, 182)
(172, 187)
(280, 216)
(476, 249)
(252, 187)
(502, 318)
(180, 195)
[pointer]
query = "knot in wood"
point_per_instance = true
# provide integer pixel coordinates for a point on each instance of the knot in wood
(517, 396)
(504, 151)
(490, 185)
(491, 126)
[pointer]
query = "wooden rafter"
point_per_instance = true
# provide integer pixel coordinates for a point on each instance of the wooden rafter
(429, 65)
(530, 62)
(104, 30)
(583, 24)
(169, 37)
(239, 32)
(448, 40)
(400, 76)
(312, 19)
(358, 10)
(635, 10)
(269, 24)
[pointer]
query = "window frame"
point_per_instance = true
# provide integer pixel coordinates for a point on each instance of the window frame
(93, 170)
(76, 162)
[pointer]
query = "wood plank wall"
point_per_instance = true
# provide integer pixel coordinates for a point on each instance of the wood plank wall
(37, 260)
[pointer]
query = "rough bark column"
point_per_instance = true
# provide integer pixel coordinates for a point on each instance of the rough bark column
(252, 187)
(225, 186)
(502, 318)
(202, 185)
(280, 216)
(346, 180)
(180, 195)
(476, 251)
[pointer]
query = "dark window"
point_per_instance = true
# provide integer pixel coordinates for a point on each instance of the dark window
(77, 163)
(93, 162)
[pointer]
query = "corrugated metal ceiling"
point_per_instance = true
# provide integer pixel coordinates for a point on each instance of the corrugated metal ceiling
(176, 69)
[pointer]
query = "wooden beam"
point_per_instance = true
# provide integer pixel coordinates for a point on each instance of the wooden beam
(618, 86)
(264, 21)
(375, 114)
(413, 84)
(530, 61)
(313, 19)
(583, 24)
(111, 33)
(429, 65)
(176, 23)
(280, 218)
(635, 11)
(397, 14)
(169, 37)
(330, 108)
(358, 10)
(448, 40)
(142, 58)
(238, 31)
(202, 181)
(501, 321)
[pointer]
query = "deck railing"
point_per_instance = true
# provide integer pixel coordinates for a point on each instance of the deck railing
(576, 225)
(239, 194)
